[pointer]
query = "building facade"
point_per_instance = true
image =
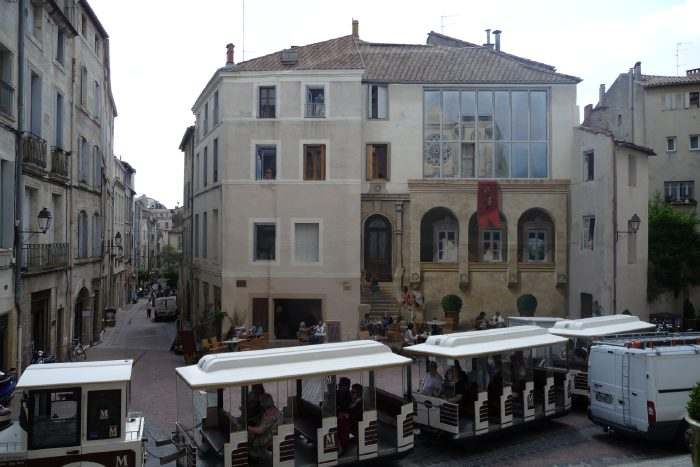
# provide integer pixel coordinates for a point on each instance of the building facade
(442, 167)
(56, 88)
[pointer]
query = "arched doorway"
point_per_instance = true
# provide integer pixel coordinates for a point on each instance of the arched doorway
(378, 248)
(82, 304)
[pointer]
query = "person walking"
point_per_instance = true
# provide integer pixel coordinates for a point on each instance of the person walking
(148, 312)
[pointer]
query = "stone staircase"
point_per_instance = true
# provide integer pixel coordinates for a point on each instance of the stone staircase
(382, 302)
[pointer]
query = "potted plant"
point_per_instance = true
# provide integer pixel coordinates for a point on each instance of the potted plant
(527, 305)
(451, 305)
(693, 419)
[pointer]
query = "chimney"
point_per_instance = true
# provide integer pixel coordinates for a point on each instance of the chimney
(638, 70)
(229, 54)
(355, 29)
(601, 94)
(488, 38)
(587, 111)
(497, 35)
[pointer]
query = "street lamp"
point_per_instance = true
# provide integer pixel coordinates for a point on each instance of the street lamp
(117, 243)
(44, 222)
(632, 225)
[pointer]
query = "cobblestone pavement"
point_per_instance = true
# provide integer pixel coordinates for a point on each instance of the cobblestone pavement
(571, 441)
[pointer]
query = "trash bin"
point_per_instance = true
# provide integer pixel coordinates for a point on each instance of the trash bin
(110, 317)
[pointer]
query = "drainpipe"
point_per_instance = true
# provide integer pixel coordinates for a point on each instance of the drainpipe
(18, 240)
(614, 224)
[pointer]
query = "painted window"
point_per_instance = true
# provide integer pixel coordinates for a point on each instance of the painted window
(306, 242)
(315, 102)
(264, 241)
(314, 162)
(265, 162)
(377, 162)
(679, 192)
(492, 246)
(588, 232)
(588, 166)
(670, 144)
(378, 102)
(266, 102)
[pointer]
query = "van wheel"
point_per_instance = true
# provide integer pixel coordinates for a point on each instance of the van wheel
(684, 436)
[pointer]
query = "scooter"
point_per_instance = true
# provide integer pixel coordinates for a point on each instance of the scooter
(8, 381)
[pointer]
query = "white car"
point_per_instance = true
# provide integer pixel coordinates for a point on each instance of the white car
(166, 308)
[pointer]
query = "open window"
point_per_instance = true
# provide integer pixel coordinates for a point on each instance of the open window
(315, 102)
(54, 418)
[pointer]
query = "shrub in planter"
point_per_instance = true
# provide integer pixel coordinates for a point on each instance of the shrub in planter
(693, 419)
(527, 305)
(452, 305)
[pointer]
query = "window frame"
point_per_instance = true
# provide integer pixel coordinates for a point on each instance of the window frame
(445, 226)
(675, 143)
(299, 220)
(258, 101)
(695, 104)
(588, 162)
(307, 87)
(370, 115)
(304, 145)
(215, 162)
(586, 243)
(690, 142)
(205, 167)
(254, 160)
(482, 243)
(77, 395)
(547, 244)
(371, 166)
(677, 189)
(254, 223)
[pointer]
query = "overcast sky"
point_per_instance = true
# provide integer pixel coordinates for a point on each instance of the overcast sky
(164, 51)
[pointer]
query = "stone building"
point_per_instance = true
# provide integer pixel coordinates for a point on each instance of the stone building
(317, 163)
(661, 113)
(56, 100)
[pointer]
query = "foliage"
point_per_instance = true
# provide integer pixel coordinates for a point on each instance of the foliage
(674, 250)
(170, 260)
(693, 405)
(171, 278)
(451, 303)
(527, 305)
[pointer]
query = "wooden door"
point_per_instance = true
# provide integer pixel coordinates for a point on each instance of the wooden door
(378, 248)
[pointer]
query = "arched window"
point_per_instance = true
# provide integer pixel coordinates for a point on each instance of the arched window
(97, 168)
(535, 237)
(96, 235)
(488, 245)
(82, 234)
(439, 236)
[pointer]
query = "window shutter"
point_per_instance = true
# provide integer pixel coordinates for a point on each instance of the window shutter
(306, 242)
(686, 100)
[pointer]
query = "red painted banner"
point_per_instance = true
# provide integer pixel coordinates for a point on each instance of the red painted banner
(488, 210)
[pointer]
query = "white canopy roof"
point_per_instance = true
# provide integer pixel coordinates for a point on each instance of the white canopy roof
(491, 341)
(541, 321)
(259, 366)
(75, 374)
(600, 326)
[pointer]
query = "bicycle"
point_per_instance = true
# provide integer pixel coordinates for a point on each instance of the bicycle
(78, 352)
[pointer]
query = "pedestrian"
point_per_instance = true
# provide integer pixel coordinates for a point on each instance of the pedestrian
(148, 312)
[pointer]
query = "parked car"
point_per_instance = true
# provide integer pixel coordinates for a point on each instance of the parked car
(640, 385)
(165, 308)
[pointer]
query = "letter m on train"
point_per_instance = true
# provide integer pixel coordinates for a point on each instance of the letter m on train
(122, 461)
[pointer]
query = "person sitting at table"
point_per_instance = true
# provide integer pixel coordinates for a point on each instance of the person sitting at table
(408, 337)
(253, 410)
(497, 321)
(432, 384)
(260, 435)
(480, 321)
(304, 332)
(319, 334)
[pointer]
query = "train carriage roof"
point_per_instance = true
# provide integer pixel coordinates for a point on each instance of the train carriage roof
(259, 366)
(599, 326)
(488, 342)
(48, 375)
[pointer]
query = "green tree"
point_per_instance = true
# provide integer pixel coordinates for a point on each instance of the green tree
(170, 264)
(674, 250)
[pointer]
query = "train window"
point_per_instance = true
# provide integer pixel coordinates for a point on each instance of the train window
(104, 417)
(54, 418)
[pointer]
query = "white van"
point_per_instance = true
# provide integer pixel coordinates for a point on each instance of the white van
(641, 385)
(166, 308)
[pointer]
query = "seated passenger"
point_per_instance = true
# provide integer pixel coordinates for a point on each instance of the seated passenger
(260, 435)
(432, 384)
(343, 400)
(356, 408)
(253, 409)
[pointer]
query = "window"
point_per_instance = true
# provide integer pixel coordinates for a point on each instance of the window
(205, 167)
(35, 105)
(59, 121)
(104, 414)
(82, 235)
(6, 90)
(6, 202)
(485, 134)
(98, 99)
(315, 102)
(96, 236)
(536, 250)
(196, 172)
(314, 162)
(670, 144)
(439, 237)
(378, 101)
(588, 232)
(679, 192)
(695, 142)
(36, 19)
(54, 418)
(84, 165)
(216, 107)
(265, 162)
(306, 242)
(588, 166)
(83, 86)
(631, 170)
(196, 234)
(215, 162)
(264, 242)
(215, 234)
(491, 246)
(97, 168)
(694, 99)
(205, 235)
(97, 44)
(60, 46)
(83, 25)
(377, 162)
(206, 118)
(266, 102)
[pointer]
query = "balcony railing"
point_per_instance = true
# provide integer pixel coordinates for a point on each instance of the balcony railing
(34, 150)
(38, 257)
(59, 162)
(315, 110)
(7, 95)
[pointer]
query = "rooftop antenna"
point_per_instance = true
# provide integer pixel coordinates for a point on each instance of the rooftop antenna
(443, 24)
(679, 48)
